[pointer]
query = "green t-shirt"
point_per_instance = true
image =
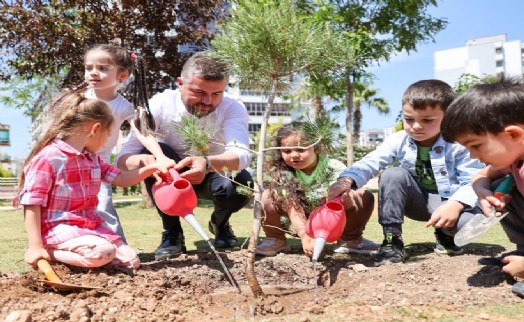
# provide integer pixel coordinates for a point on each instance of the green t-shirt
(317, 183)
(424, 170)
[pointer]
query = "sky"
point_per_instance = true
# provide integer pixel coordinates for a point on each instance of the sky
(467, 19)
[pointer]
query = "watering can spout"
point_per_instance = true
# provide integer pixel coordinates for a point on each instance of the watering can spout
(326, 224)
(317, 248)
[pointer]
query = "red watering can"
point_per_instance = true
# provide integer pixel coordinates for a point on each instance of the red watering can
(178, 198)
(326, 224)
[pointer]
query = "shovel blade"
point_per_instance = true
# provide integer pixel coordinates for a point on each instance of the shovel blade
(69, 287)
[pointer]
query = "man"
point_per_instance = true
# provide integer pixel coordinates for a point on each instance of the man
(201, 92)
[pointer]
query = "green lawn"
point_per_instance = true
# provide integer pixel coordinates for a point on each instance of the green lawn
(143, 228)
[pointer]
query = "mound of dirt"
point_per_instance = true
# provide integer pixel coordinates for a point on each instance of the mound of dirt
(193, 287)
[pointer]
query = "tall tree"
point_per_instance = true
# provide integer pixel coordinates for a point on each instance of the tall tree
(46, 38)
(267, 42)
(364, 95)
(377, 29)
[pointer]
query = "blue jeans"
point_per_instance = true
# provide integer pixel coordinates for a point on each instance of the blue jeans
(401, 195)
(220, 190)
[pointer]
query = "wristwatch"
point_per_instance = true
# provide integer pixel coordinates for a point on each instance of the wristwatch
(208, 164)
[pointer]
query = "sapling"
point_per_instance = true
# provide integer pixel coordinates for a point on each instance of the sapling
(267, 43)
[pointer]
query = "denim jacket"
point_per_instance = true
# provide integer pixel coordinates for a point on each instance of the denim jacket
(451, 164)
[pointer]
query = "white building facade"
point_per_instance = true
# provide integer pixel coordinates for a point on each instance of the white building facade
(481, 57)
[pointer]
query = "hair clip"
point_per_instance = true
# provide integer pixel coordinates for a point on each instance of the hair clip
(132, 56)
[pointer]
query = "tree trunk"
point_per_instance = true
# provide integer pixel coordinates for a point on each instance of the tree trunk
(357, 121)
(316, 106)
(349, 119)
(148, 203)
(259, 188)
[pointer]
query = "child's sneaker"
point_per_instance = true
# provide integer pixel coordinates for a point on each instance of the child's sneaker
(357, 246)
(518, 289)
(271, 246)
(391, 251)
(445, 244)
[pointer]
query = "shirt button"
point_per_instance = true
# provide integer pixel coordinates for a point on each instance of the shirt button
(444, 172)
(438, 150)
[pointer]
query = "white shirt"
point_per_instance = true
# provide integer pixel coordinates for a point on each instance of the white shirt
(228, 123)
(122, 110)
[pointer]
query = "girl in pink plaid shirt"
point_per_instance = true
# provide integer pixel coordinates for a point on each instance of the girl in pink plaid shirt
(60, 183)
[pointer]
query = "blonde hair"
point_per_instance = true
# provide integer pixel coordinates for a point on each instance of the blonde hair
(71, 111)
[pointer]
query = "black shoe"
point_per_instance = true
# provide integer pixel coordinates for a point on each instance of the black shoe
(391, 251)
(224, 238)
(445, 244)
(518, 288)
(171, 246)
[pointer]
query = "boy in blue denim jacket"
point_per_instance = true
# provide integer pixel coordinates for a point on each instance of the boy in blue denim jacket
(430, 179)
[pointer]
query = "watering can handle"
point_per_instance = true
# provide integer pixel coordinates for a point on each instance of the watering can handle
(337, 199)
(174, 174)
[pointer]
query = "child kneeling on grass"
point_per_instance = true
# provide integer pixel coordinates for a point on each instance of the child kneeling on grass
(60, 183)
(488, 120)
(308, 174)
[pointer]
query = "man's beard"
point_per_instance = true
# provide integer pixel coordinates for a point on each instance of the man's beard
(195, 109)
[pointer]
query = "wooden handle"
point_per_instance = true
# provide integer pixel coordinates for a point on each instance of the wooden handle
(48, 271)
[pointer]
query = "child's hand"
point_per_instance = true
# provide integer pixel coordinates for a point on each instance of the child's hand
(446, 215)
(514, 265)
(489, 201)
(32, 255)
(163, 164)
(308, 244)
(339, 187)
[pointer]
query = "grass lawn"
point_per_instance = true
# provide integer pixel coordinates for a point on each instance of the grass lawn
(143, 228)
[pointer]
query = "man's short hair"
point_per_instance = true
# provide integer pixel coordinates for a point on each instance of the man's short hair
(206, 65)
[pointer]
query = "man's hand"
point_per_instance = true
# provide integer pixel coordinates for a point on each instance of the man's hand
(341, 186)
(446, 215)
(197, 169)
(514, 265)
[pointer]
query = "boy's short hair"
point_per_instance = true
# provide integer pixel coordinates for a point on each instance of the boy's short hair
(485, 108)
(428, 93)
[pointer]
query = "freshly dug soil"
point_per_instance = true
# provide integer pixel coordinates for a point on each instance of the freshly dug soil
(193, 287)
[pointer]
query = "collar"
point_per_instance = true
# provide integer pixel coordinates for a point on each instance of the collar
(67, 149)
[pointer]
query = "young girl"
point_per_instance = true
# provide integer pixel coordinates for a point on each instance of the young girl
(60, 183)
(301, 176)
(107, 67)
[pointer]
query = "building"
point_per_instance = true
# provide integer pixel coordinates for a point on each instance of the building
(255, 101)
(374, 136)
(481, 57)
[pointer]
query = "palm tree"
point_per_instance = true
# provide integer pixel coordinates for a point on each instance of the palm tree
(362, 95)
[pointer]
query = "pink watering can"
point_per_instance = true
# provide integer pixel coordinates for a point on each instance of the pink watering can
(326, 224)
(178, 198)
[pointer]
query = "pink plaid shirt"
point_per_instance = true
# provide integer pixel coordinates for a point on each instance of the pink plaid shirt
(65, 183)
